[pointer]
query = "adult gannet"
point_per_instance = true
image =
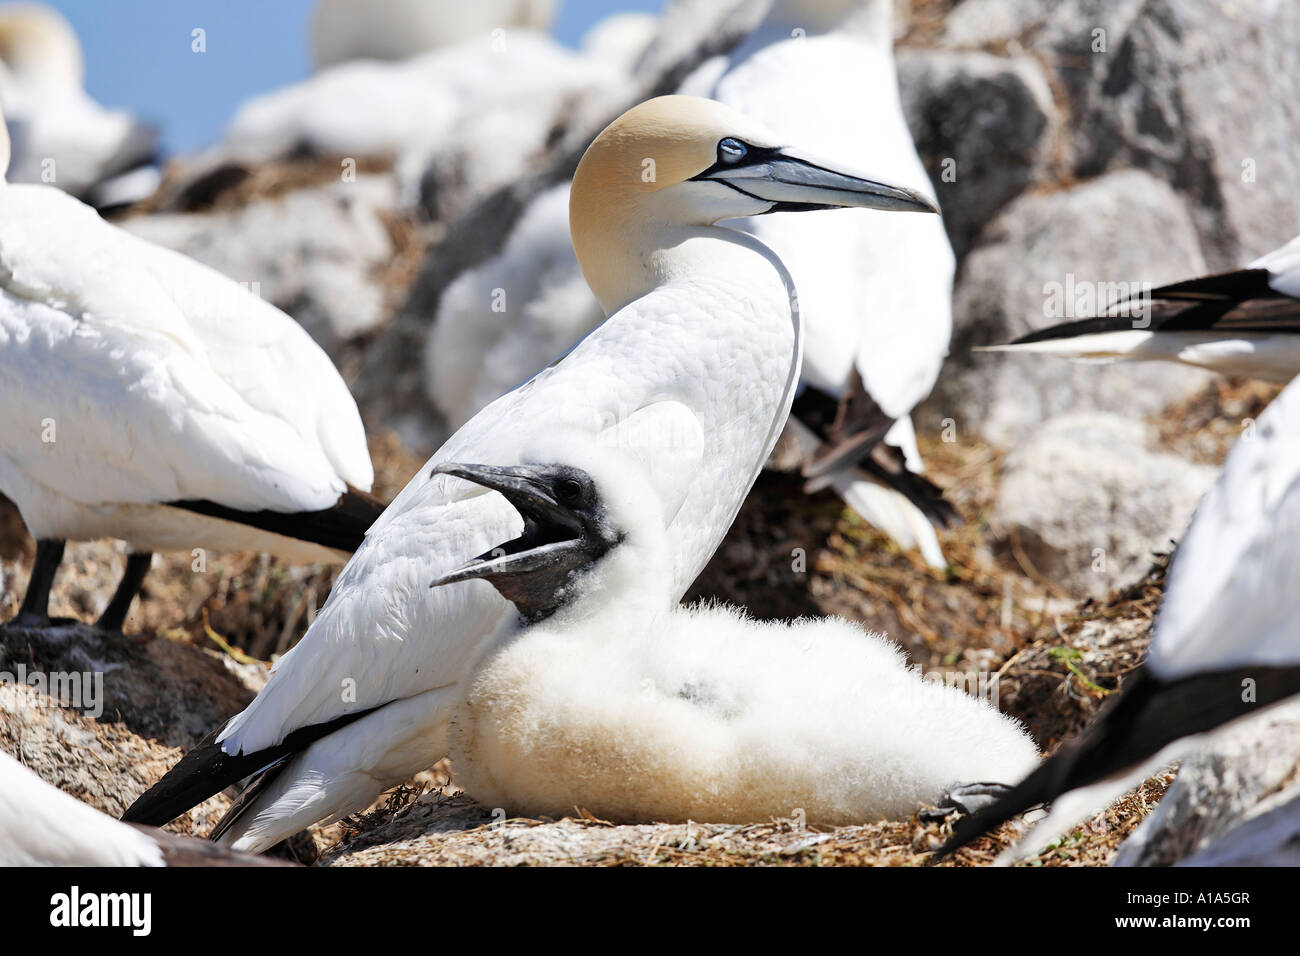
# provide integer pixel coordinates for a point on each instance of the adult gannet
(343, 30)
(1224, 646)
(621, 703)
(60, 135)
(695, 371)
(40, 825)
(1245, 322)
(479, 111)
(874, 291)
(149, 398)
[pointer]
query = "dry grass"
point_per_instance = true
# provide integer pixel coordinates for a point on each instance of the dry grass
(1056, 661)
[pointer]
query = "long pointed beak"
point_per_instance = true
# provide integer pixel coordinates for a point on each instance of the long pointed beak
(549, 528)
(795, 181)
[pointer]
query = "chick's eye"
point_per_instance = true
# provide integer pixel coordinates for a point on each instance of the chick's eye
(732, 150)
(569, 490)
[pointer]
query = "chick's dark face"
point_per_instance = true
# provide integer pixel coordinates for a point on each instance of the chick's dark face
(566, 531)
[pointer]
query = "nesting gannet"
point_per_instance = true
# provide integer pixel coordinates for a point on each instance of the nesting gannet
(479, 112)
(149, 398)
(621, 38)
(1245, 322)
(343, 30)
(619, 702)
(60, 135)
(695, 370)
(1224, 645)
(874, 290)
(40, 825)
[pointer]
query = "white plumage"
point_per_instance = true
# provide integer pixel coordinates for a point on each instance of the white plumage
(1224, 642)
(874, 290)
(343, 30)
(132, 376)
(693, 373)
(40, 825)
(636, 710)
(1234, 586)
(1244, 323)
(60, 135)
(481, 110)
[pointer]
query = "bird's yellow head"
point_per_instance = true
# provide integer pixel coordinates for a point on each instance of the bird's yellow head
(38, 46)
(685, 161)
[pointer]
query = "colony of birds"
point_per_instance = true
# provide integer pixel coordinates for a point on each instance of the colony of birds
(650, 269)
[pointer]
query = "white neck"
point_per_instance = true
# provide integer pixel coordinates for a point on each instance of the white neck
(622, 265)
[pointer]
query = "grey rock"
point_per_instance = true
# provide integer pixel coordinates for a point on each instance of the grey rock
(1220, 799)
(1192, 90)
(1036, 266)
(314, 253)
(1087, 503)
(1270, 837)
(982, 124)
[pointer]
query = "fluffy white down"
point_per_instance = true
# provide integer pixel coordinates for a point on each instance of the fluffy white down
(636, 709)
(41, 825)
(703, 714)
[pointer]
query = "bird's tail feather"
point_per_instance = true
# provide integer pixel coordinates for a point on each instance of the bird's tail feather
(207, 770)
(894, 514)
(342, 526)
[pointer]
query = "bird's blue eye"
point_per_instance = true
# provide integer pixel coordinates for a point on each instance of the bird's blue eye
(732, 150)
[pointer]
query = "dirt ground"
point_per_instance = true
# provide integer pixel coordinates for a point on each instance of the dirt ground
(198, 644)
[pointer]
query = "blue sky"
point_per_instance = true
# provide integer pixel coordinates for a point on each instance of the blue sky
(138, 54)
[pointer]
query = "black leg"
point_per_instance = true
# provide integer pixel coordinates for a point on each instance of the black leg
(114, 616)
(35, 611)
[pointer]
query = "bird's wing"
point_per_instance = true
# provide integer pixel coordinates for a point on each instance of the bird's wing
(384, 634)
(161, 379)
(1283, 265)
(1262, 298)
(1234, 585)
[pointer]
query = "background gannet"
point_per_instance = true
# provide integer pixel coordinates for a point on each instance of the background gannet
(874, 291)
(694, 371)
(636, 710)
(40, 825)
(471, 113)
(149, 398)
(343, 30)
(1224, 645)
(1245, 322)
(60, 135)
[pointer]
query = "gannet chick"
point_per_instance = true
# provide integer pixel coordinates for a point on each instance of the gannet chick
(40, 825)
(874, 290)
(694, 373)
(1224, 645)
(1244, 323)
(148, 398)
(60, 135)
(343, 30)
(636, 710)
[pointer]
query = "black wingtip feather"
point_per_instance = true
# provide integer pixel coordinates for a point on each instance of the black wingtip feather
(342, 527)
(207, 770)
(1148, 715)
